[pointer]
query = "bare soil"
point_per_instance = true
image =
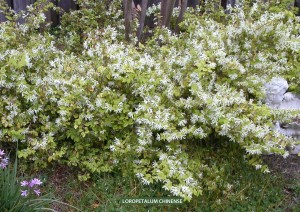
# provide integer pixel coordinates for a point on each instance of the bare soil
(289, 169)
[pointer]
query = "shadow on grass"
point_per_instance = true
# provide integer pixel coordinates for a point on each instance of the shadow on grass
(239, 187)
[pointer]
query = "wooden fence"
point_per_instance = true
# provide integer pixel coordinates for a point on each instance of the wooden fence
(67, 5)
(51, 16)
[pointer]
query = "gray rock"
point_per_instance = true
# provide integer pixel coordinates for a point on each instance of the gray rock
(278, 98)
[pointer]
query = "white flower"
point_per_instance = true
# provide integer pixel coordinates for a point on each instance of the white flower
(286, 154)
(88, 117)
(258, 166)
(145, 182)
(139, 175)
(175, 191)
(182, 123)
(112, 148)
(163, 156)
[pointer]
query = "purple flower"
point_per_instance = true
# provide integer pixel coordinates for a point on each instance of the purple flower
(24, 193)
(31, 187)
(3, 162)
(34, 182)
(37, 192)
(2, 152)
(24, 183)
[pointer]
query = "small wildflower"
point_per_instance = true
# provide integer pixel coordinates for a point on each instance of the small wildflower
(24, 193)
(4, 163)
(3, 160)
(34, 182)
(30, 185)
(37, 192)
(2, 152)
(24, 183)
(258, 166)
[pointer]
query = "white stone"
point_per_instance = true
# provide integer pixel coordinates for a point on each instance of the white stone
(278, 98)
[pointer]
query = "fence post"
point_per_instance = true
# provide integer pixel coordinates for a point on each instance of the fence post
(193, 3)
(51, 15)
(20, 5)
(224, 4)
(2, 16)
(231, 2)
(297, 4)
(67, 5)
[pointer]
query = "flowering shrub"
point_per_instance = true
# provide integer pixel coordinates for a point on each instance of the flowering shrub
(146, 110)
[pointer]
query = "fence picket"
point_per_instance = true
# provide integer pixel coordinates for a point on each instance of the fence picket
(20, 5)
(68, 5)
(2, 17)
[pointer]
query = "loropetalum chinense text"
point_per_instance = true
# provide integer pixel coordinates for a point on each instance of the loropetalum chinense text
(137, 108)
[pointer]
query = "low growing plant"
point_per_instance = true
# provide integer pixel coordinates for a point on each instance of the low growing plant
(20, 196)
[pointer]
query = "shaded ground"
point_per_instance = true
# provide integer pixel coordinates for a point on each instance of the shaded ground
(60, 181)
(63, 182)
(289, 168)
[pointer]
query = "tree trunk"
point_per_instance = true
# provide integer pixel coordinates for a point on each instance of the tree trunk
(182, 11)
(142, 19)
(166, 12)
(128, 18)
